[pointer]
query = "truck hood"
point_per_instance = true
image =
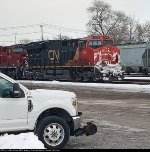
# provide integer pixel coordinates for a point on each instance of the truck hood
(57, 93)
(43, 99)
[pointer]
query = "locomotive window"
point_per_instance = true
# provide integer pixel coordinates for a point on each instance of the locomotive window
(82, 44)
(107, 42)
(17, 50)
(95, 44)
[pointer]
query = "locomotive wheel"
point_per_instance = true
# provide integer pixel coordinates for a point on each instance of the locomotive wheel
(72, 76)
(81, 79)
(90, 79)
(34, 76)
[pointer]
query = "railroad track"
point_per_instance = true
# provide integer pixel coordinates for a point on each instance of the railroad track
(133, 81)
(136, 75)
(128, 81)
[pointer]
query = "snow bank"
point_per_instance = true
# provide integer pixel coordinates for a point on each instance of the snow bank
(137, 78)
(100, 86)
(21, 141)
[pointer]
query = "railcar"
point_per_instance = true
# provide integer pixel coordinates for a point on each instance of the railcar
(136, 57)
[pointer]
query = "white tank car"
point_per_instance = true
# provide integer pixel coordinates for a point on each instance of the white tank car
(136, 57)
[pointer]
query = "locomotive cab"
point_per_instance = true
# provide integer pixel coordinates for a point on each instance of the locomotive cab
(87, 49)
(98, 49)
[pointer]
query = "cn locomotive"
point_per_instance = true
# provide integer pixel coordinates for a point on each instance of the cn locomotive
(93, 58)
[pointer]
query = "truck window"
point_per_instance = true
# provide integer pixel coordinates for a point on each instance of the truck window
(5, 86)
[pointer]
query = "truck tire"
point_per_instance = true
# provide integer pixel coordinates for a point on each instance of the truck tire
(53, 132)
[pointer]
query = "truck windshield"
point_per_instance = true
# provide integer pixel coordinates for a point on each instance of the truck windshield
(18, 50)
(107, 42)
(95, 44)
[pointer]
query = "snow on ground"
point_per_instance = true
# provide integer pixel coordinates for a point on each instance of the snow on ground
(21, 141)
(101, 86)
(137, 78)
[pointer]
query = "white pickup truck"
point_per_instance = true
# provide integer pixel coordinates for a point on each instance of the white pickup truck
(51, 114)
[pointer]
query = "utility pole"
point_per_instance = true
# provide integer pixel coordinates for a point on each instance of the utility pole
(60, 36)
(42, 32)
(15, 38)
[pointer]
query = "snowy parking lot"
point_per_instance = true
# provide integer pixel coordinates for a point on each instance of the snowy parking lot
(121, 113)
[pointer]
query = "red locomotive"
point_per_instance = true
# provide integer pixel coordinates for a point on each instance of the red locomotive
(96, 49)
(99, 53)
(86, 59)
(12, 59)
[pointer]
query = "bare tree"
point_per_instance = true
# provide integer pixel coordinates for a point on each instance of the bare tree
(99, 16)
(105, 21)
(146, 30)
(140, 33)
(120, 31)
(135, 31)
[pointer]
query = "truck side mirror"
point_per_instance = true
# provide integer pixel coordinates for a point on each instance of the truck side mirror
(16, 90)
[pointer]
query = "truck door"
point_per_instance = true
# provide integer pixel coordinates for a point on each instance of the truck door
(13, 111)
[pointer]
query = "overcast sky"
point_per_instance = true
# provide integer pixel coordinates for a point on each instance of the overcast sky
(62, 13)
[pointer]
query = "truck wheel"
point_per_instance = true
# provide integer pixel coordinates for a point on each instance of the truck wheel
(54, 132)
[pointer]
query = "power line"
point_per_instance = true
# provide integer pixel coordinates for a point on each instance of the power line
(21, 34)
(65, 29)
(47, 25)
(28, 33)
(51, 33)
(17, 27)
(15, 34)
(7, 41)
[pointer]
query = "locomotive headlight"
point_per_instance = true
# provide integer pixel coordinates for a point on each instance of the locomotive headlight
(74, 102)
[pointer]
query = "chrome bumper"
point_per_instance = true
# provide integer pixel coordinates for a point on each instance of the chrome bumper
(77, 122)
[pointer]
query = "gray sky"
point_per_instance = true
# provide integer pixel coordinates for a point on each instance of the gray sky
(70, 14)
